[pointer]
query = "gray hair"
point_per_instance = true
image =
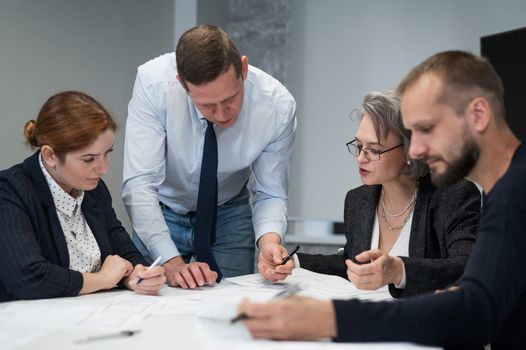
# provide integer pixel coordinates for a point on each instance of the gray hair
(384, 109)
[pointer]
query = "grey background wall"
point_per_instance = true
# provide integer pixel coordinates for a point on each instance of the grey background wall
(94, 46)
(336, 52)
(340, 50)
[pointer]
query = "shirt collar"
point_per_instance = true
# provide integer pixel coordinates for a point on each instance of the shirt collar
(200, 115)
(64, 202)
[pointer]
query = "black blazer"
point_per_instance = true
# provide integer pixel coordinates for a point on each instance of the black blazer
(490, 303)
(34, 257)
(442, 235)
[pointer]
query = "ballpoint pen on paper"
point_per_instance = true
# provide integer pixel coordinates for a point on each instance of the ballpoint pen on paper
(290, 291)
(286, 293)
(289, 255)
(155, 263)
(108, 336)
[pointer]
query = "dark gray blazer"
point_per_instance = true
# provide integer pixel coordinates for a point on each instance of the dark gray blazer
(442, 234)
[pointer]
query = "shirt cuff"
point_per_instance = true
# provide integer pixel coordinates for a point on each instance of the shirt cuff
(164, 248)
(403, 280)
(260, 230)
(296, 261)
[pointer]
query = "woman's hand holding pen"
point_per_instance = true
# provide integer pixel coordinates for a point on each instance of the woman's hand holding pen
(146, 280)
(270, 262)
(374, 270)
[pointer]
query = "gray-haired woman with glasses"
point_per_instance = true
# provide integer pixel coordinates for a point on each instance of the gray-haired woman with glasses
(401, 230)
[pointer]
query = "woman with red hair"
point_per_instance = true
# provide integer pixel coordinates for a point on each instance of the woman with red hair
(59, 235)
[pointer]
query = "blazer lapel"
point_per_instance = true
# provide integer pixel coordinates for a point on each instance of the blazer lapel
(419, 231)
(93, 216)
(364, 220)
(32, 167)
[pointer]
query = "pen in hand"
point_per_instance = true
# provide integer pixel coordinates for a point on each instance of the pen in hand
(238, 318)
(289, 292)
(289, 255)
(155, 263)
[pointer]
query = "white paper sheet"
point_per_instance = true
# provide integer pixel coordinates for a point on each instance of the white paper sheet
(313, 284)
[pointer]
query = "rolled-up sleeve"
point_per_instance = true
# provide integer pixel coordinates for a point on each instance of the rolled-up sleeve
(271, 173)
(145, 168)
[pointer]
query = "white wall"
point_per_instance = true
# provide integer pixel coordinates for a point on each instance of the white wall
(94, 46)
(341, 50)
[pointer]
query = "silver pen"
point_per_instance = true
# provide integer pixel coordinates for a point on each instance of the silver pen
(290, 291)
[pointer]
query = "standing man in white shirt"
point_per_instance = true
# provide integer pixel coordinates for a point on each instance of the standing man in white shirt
(205, 101)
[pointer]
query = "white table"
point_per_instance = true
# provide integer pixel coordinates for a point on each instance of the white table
(177, 318)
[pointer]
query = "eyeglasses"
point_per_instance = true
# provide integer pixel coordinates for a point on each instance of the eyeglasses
(369, 153)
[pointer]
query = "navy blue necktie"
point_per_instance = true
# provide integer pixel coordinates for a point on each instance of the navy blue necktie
(206, 212)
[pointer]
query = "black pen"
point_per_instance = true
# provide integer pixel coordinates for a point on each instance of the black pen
(107, 336)
(240, 317)
(289, 255)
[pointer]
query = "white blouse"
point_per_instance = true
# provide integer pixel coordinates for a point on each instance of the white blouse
(84, 252)
(401, 245)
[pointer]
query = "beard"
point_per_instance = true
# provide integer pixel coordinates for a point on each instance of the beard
(461, 167)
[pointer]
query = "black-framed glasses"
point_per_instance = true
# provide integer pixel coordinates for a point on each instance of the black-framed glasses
(369, 153)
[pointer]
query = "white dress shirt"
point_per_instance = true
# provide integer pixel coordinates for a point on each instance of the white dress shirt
(164, 147)
(84, 251)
